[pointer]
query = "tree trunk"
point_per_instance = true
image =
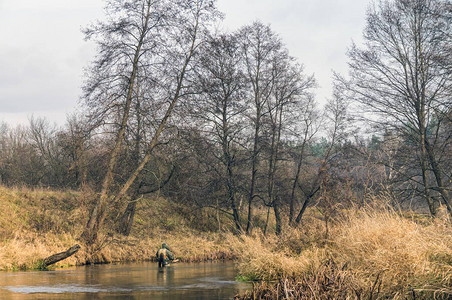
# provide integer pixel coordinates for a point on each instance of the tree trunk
(295, 182)
(300, 214)
(267, 221)
(60, 256)
(230, 175)
(423, 158)
(292, 193)
(253, 172)
(127, 217)
(305, 205)
(276, 138)
(439, 180)
(277, 217)
(96, 218)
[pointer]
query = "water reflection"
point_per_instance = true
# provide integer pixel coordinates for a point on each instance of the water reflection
(127, 281)
(165, 276)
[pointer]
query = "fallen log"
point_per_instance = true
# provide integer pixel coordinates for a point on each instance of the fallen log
(59, 256)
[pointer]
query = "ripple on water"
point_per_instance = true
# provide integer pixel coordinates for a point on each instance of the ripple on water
(65, 288)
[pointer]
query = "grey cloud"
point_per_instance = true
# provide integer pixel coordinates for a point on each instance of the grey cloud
(42, 52)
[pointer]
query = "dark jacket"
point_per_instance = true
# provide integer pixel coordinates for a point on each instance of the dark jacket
(164, 255)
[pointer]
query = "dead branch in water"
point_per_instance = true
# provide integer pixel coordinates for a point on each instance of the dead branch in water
(59, 256)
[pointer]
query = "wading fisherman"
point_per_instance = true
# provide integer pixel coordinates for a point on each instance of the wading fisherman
(164, 255)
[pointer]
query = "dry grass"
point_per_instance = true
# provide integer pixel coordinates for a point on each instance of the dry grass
(23, 250)
(401, 251)
(329, 281)
(35, 224)
(187, 247)
(403, 254)
(373, 248)
(262, 258)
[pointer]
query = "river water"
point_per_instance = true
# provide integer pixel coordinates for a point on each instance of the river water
(125, 281)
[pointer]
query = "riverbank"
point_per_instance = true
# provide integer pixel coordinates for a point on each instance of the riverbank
(368, 255)
(372, 253)
(37, 223)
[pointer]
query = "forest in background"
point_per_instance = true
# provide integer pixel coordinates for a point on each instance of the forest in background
(174, 109)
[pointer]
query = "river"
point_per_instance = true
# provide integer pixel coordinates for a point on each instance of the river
(125, 281)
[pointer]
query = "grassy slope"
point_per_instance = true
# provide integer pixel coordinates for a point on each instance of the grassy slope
(35, 224)
(360, 249)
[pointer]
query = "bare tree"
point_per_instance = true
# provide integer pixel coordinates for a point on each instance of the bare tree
(143, 44)
(291, 92)
(220, 107)
(74, 141)
(338, 122)
(304, 133)
(259, 45)
(402, 75)
(48, 140)
(20, 163)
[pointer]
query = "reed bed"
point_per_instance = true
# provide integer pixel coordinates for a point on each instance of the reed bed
(328, 281)
(368, 255)
(402, 252)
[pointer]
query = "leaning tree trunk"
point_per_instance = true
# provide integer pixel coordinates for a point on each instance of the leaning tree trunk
(59, 256)
(305, 205)
(295, 182)
(98, 213)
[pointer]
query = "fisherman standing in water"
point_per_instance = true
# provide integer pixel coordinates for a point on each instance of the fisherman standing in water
(164, 255)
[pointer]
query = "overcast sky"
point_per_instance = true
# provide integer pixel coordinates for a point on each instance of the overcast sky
(42, 51)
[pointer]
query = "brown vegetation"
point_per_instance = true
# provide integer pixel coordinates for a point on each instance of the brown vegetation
(329, 281)
(31, 231)
(370, 253)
